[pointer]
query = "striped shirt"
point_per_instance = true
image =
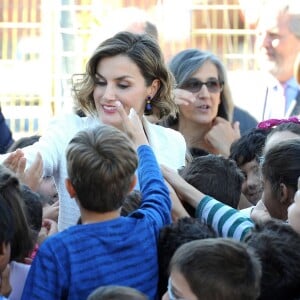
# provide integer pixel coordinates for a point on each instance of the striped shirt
(225, 220)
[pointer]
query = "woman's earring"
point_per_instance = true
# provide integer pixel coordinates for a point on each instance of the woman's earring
(148, 108)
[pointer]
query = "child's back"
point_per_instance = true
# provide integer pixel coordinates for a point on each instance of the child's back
(106, 249)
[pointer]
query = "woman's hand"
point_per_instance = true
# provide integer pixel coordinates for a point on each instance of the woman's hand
(222, 135)
(183, 97)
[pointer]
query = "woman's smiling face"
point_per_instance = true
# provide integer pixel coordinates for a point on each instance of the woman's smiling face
(118, 78)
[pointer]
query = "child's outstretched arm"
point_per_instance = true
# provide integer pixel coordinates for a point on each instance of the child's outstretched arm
(132, 126)
(156, 202)
(226, 221)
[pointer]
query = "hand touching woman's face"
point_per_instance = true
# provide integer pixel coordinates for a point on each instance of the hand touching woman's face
(205, 106)
(118, 78)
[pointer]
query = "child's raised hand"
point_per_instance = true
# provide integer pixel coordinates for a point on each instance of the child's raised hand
(31, 176)
(13, 159)
(51, 211)
(132, 125)
(260, 213)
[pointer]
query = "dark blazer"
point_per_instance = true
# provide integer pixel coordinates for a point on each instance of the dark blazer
(246, 120)
(5, 135)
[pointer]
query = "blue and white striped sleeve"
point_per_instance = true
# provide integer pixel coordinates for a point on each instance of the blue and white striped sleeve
(225, 220)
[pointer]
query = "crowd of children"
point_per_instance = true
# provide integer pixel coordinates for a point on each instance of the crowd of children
(108, 205)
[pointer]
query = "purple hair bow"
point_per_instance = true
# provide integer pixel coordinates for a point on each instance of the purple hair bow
(275, 122)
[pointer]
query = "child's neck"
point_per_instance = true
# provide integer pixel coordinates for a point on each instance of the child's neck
(95, 217)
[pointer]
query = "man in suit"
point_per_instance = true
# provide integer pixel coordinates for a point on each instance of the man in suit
(278, 43)
(272, 91)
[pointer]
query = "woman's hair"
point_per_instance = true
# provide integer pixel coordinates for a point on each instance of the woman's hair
(142, 50)
(10, 193)
(184, 64)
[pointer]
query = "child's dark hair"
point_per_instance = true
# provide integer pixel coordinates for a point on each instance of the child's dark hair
(171, 237)
(132, 202)
(101, 163)
(216, 176)
(22, 243)
(278, 246)
(33, 209)
(292, 127)
(249, 146)
(114, 292)
(281, 164)
(6, 223)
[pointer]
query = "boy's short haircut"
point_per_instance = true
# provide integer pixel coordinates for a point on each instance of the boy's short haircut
(249, 146)
(115, 292)
(216, 176)
(219, 268)
(101, 163)
(278, 246)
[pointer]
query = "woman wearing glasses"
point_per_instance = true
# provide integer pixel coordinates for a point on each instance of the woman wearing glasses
(204, 101)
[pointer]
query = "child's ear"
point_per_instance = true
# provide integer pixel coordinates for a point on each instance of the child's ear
(286, 195)
(70, 188)
(133, 183)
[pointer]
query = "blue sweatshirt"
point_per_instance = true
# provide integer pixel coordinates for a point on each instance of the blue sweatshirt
(122, 251)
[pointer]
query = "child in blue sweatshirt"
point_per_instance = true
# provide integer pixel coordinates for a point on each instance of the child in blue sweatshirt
(106, 249)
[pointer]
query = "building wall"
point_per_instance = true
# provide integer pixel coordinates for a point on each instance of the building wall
(44, 42)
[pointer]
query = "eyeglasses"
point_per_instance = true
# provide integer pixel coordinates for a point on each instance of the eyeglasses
(170, 292)
(194, 85)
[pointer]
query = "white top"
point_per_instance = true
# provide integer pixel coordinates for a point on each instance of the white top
(17, 277)
(168, 145)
